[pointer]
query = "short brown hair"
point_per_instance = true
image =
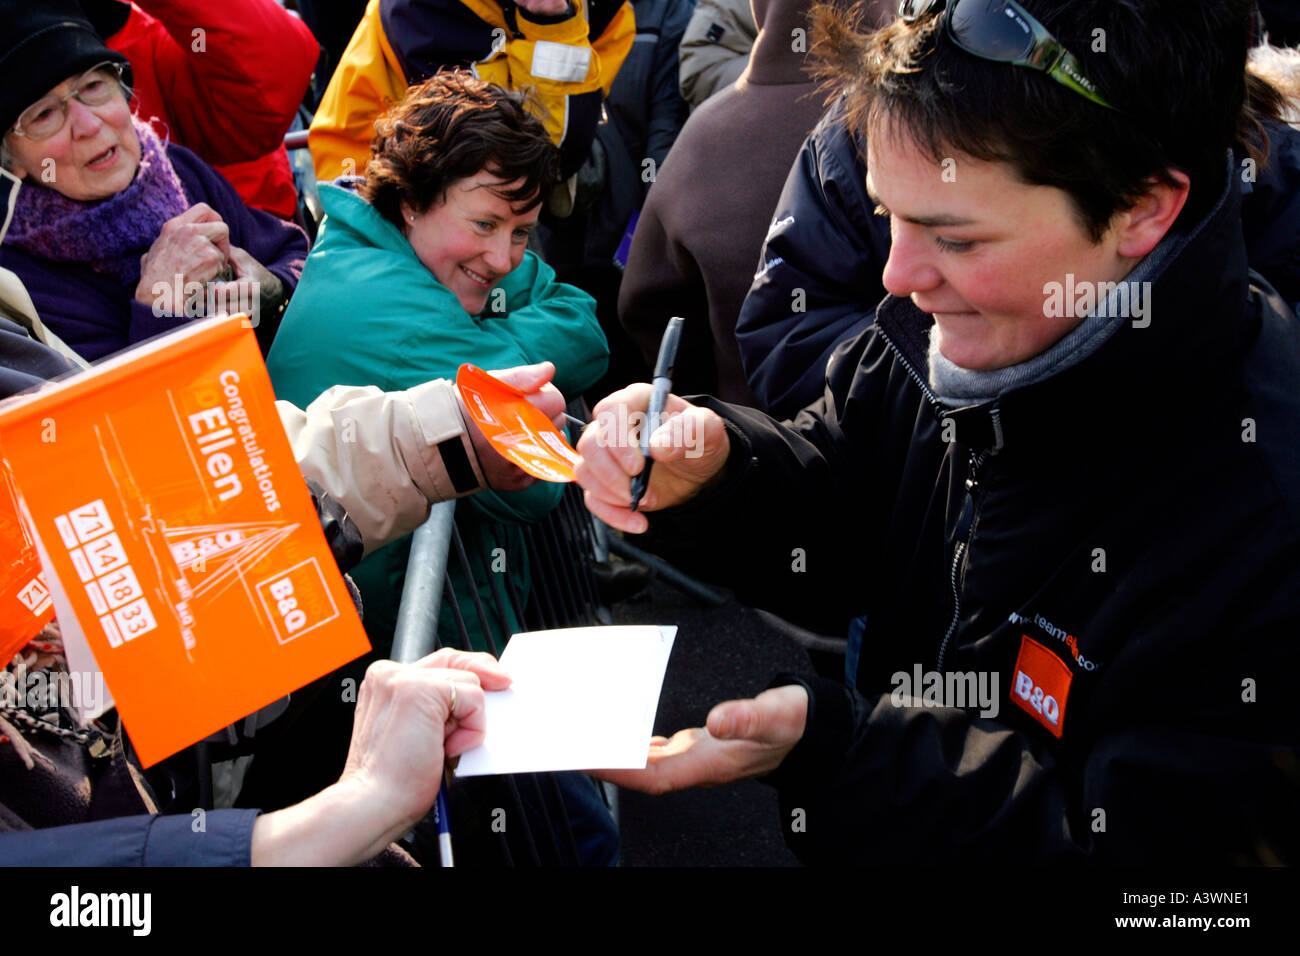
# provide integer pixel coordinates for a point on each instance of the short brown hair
(450, 127)
(1176, 70)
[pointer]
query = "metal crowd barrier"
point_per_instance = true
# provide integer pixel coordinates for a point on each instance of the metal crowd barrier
(562, 594)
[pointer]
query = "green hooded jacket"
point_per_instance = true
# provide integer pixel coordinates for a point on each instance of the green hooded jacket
(368, 312)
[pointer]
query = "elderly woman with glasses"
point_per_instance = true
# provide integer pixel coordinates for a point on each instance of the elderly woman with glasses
(117, 235)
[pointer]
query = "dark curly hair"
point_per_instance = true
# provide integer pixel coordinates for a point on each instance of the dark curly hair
(450, 127)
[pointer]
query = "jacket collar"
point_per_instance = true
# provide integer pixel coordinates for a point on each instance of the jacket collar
(344, 209)
(1200, 325)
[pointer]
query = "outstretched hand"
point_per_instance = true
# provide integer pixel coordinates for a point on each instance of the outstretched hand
(741, 739)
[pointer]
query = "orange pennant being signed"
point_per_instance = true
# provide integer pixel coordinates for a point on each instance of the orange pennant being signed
(515, 427)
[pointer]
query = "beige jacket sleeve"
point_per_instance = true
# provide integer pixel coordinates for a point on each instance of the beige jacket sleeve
(16, 305)
(377, 453)
(715, 47)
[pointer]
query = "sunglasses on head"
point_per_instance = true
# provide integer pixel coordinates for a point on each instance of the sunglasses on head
(1003, 31)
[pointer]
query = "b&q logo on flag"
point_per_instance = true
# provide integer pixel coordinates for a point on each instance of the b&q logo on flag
(297, 600)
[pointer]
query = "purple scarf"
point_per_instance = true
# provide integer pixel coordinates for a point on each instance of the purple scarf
(110, 235)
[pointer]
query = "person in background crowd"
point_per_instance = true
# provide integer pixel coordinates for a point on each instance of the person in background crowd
(1062, 529)
(730, 160)
(718, 42)
(332, 22)
(223, 80)
(425, 267)
(715, 48)
(566, 52)
(118, 236)
(645, 112)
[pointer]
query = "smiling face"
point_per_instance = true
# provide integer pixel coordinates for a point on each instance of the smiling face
(471, 239)
(976, 247)
(95, 155)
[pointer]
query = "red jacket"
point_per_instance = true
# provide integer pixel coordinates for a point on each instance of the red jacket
(225, 81)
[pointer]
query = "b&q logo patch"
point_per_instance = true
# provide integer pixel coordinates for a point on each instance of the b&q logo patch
(1041, 685)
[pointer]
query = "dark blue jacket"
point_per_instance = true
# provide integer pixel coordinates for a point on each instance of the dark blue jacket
(1125, 531)
(145, 840)
(24, 362)
(826, 240)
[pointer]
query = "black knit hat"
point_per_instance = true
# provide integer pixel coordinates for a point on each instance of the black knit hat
(41, 45)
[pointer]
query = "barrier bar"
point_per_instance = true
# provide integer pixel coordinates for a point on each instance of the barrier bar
(416, 632)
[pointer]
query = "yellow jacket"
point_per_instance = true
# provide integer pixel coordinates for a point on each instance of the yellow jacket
(567, 72)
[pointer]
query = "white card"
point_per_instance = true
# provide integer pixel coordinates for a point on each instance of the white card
(582, 698)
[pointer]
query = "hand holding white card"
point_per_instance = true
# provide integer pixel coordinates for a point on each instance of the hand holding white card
(581, 698)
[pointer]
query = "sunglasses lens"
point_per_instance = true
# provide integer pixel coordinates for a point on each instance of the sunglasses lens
(991, 28)
(911, 10)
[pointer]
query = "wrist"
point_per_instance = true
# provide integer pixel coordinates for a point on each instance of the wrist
(155, 295)
(827, 732)
(270, 286)
(342, 825)
(273, 295)
(439, 432)
(736, 459)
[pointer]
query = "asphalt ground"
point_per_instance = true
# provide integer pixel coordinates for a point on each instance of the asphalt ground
(720, 653)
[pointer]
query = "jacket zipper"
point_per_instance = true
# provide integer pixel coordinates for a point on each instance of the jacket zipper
(921, 383)
(965, 531)
(966, 521)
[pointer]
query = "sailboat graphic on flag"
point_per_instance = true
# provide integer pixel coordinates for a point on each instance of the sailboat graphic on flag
(213, 557)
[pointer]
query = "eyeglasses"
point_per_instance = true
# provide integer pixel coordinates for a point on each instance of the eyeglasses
(47, 115)
(1003, 31)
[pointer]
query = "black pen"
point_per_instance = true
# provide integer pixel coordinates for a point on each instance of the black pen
(663, 385)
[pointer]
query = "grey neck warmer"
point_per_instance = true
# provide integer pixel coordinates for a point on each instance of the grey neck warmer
(956, 387)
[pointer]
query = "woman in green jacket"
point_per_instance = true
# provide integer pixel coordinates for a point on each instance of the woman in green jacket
(424, 267)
